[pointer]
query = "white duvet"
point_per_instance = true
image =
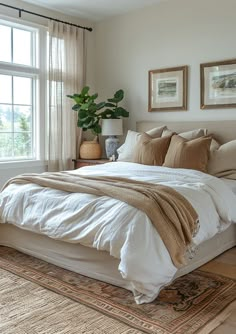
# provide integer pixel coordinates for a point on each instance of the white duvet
(111, 225)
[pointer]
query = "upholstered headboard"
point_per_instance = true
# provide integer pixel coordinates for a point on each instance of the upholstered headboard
(223, 131)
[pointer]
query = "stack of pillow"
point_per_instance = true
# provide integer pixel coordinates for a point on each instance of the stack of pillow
(192, 150)
(126, 150)
(222, 162)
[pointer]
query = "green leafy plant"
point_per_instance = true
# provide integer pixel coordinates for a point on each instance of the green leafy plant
(114, 111)
(87, 108)
(90, 112)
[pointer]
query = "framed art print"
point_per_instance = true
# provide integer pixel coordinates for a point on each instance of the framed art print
(167, 89)
(218, 84)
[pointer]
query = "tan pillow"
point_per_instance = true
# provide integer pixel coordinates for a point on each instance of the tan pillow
(125, 151)
(222, 161)
(187, 135)
(190, 154)
(151, 151)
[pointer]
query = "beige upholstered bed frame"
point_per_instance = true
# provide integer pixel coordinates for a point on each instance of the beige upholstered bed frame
(101, 265)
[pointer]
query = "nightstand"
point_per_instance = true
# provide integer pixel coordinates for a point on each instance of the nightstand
(84, 162)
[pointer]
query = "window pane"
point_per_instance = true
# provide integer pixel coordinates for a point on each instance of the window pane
(5, 89)
(6, 145)
(22, 90)
(23, 144)
(22, 118)
(5, 40)
(22, 47)
(19, 90)
(5, 118)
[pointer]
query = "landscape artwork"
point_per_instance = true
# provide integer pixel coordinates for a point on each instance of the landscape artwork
(223, 84)
(167, 90)
(218, 84)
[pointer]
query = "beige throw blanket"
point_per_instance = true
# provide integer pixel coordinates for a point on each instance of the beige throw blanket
(172, 215)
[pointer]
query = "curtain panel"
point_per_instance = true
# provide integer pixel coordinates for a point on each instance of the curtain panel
(66, 50)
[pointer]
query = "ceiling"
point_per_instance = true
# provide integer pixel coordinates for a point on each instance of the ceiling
(94, 10)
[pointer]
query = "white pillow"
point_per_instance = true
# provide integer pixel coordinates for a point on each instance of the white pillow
(193, 134)
(126, 150)
(222, 161)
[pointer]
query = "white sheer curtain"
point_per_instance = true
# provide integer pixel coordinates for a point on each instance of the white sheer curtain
(66, 76)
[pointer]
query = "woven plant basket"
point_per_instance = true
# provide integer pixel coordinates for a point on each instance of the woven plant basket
(90, 150)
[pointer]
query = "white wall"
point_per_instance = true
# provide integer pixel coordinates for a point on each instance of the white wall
(9, 170)
(12, 169)
(173, 33)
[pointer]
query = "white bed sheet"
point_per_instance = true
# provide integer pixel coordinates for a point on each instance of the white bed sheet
(113, 226)
(231, 184)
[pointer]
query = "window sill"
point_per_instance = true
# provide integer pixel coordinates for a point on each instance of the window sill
(21, 164)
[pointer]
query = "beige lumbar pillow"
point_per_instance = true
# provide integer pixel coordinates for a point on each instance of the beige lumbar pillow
(222, 161)
(125, 151)
(196, 133)
(151, 151)
(190, 154)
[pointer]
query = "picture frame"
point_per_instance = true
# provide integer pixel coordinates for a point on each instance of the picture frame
(167, 89)
(218, 84)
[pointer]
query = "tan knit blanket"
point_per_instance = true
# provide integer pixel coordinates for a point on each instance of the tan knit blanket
(172, 215)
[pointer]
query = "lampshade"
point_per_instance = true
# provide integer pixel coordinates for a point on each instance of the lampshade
(112, 127)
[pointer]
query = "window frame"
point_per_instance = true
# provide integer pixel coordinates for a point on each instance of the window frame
(39, 75)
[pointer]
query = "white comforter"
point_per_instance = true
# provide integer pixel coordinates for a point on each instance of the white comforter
(111, 225)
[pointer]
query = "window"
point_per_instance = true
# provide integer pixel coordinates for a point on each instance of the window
(16, 114)
(21, 75)
(18, 45)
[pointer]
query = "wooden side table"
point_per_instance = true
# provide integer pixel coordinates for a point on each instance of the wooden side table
(84, 162)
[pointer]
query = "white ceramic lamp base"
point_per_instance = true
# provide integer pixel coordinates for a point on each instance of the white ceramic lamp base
(111, 146)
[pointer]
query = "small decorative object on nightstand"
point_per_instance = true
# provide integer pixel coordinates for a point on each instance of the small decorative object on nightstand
(87, 162)
(112, 128)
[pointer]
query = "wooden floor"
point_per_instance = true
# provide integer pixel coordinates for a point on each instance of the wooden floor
(225, 265)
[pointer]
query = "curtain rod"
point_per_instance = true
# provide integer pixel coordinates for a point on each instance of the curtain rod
(45, 17)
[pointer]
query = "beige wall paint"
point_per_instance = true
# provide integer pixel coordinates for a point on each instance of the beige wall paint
(173, 33)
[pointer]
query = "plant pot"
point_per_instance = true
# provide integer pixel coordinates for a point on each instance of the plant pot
(90, 150)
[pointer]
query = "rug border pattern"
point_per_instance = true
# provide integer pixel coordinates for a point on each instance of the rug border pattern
(120, 313)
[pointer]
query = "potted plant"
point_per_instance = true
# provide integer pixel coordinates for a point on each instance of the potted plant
(87, 108)
(89, 115)
(88, 118)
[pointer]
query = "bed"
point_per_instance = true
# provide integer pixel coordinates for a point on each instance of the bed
(128, 261)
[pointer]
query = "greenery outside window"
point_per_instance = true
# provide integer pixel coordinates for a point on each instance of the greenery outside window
(19, 91)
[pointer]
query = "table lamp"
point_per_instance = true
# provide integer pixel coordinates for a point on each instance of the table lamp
(112, 128)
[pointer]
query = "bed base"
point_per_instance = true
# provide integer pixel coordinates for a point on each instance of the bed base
(99, 264)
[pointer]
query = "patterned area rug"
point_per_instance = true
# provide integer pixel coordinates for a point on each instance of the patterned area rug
(191, 304)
